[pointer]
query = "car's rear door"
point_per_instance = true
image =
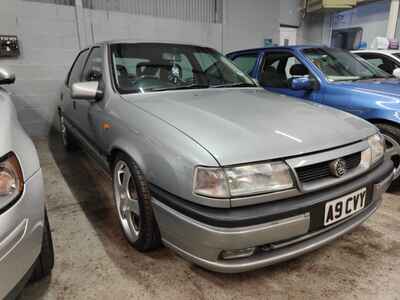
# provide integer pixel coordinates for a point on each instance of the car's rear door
(246, 62)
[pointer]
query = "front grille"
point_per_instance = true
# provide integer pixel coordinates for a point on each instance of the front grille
(321, 170)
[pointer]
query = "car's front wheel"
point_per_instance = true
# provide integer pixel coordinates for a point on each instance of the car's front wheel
(392, 140)
(133, 203)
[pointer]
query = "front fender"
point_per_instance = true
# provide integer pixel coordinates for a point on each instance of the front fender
(166, 156)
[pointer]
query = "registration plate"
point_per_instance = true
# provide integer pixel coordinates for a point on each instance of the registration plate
(345, 206)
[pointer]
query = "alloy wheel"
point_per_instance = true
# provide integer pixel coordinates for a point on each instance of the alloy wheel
(127, 200)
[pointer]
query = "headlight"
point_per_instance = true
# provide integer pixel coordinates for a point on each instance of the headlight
(242, 180)
(259, 178)
(11, 179)
(377, 146)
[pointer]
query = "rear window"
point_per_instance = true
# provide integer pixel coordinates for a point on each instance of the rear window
(246, 62)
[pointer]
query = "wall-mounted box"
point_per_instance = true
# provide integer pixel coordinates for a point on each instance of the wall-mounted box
(320, 5)
(9, 46)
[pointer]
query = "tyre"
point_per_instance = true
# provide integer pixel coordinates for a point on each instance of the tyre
(133, 203)
(45, 262)
(392, 140)
(68, 140)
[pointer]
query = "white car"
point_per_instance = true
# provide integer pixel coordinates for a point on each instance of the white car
(386, 60)
(26, 248)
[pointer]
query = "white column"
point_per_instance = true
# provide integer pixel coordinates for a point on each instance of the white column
(392, 21)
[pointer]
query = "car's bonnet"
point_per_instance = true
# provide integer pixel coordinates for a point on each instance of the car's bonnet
(249, 125)
(386, 87)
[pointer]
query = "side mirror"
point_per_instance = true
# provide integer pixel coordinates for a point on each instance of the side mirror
(302, 83)
(396, 73)
(87, 90)
(6, 77)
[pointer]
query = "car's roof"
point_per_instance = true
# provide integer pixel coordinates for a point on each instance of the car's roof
(130, 41)
(300, 47)
(377, 51)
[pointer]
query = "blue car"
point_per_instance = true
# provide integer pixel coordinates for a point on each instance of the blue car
(333, 77)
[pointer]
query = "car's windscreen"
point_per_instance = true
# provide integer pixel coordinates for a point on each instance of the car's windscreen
(397, 54)
(341, 65)
(148, 67)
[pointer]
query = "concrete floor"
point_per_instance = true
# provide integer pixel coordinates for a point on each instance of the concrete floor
(93, 261)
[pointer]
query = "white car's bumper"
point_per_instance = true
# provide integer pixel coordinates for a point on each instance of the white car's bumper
(21, 229)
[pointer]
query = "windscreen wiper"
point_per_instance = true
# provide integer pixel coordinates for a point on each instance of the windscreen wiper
(237, 84)
(182, 87)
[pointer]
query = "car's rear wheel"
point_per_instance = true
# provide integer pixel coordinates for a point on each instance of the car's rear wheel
(45, 262)
(392, 140)
(68, 140)
(133, 203)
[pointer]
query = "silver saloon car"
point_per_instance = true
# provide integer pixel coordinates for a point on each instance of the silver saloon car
(26, 249)
(230, 176)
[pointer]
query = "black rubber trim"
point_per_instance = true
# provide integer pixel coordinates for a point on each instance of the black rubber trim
(276, 210)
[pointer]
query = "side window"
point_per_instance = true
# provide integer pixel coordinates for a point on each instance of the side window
(94, 66)
(380, 61)
(279, 67)
(246, 62)
(186, 67)
(76, 70)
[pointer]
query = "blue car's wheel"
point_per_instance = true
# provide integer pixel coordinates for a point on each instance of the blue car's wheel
(392, 139)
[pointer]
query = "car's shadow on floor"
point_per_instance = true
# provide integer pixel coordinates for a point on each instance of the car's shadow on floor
(92, 190)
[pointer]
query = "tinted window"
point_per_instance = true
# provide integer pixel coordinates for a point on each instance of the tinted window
(279, 68)
(94, 66)
(76, 70)
(246, 62)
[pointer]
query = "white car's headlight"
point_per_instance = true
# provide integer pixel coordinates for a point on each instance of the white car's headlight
(242, 180)
(377, 146)
(11, 179)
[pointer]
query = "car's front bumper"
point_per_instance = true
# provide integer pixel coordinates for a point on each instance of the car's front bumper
(21, 230)
(280, 230)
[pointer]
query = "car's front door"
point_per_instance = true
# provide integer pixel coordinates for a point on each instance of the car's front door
(69, 105)
(279, 68)
(88, 111)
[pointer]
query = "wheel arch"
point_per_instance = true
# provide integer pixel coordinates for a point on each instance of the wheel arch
(123, 147)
